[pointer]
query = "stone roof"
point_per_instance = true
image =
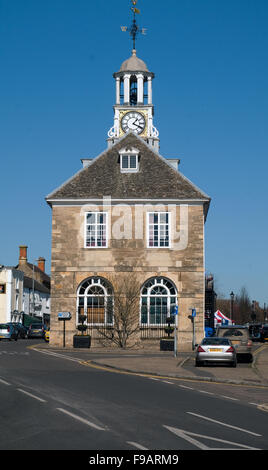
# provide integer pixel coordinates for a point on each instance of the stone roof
(28, 284)
(156, 178)
(39, 276)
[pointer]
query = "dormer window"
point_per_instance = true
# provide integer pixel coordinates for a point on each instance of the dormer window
(129, 160)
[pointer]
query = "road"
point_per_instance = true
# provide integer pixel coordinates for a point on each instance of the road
(59, 401)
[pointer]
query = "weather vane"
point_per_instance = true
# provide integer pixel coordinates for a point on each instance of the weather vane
(134, 29)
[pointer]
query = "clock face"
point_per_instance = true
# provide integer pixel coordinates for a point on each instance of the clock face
(133, 121)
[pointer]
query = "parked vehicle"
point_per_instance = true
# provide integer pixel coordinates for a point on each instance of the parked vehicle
(8, 331)
(22, 330)
(264, 333)
(46, 336)
(255, 331)
(215, 349)
(240, 339)
(36, 330)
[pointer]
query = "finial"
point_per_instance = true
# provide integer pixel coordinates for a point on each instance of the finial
(134, 29)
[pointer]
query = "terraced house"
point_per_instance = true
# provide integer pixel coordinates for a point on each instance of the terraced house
(129, 215)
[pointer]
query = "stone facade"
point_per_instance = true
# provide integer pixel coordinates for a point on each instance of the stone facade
(72, 263)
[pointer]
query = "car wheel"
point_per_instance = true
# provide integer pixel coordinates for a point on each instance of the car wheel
(197, 363)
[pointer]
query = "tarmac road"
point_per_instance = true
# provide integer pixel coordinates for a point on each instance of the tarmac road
(61, 400)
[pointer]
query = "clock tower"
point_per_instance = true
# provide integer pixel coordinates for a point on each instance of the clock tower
(133, 109)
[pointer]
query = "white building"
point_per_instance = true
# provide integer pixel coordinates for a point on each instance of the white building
(36, 299)
(24, 290)
(11, 294)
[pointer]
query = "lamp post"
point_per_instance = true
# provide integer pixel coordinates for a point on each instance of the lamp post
(232, 305)
(265, 313)
(253, 311)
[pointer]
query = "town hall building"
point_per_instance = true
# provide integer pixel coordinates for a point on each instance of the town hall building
(129, 213)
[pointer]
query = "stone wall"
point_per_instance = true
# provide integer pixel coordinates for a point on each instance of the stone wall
(72, 263)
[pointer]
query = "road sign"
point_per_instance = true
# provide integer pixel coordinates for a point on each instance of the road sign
(64, 316)
(193, 312)
(176, 311)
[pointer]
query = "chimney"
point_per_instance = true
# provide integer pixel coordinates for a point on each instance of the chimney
(23, 254)
(41, 264)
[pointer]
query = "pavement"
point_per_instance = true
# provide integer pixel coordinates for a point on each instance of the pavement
(164, 364)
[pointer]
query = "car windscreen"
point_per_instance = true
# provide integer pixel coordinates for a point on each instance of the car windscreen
(233, 332)
(37, 326)
(215, 341)
(4, 327)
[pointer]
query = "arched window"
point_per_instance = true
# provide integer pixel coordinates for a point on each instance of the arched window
(95, 300)
(158, 301)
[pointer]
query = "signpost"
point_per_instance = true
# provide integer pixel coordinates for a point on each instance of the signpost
(193, 319)
(176, 312)
(63, 316)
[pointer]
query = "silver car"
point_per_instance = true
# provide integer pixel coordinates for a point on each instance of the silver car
(216, 350)
(8, 331)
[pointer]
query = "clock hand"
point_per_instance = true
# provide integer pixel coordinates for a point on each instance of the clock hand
(138, 125)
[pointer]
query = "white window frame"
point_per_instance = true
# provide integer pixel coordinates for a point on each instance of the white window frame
(99, 282)
(159, 223)
(129, 152)
(158, 282)
(96, 224)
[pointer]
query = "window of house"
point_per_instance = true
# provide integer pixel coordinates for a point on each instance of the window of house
(159, 230)
(129, 160)
(95, 300)
(96, 230)
(129, 163)
(158, 301)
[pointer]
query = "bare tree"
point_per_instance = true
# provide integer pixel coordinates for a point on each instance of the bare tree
(125, 311)
(243, 304)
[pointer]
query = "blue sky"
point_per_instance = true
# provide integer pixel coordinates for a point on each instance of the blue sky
(210, 94)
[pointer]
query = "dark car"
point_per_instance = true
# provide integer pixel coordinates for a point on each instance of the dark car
(36, 330)
(22, 330)
(264, 333)
(255, 331)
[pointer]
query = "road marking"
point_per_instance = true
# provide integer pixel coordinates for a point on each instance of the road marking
(138, 446)
(223, 424)
(229, 398)
(184, 386)
(166, 382)
(152, 378)
(82, 420)
(31, 395)
(186, 435)
(4, 382)
(204, 391)
(62, 356)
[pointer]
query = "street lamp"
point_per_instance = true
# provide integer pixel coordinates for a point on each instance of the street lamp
(265, 313)
(253, 311)
(232, 305)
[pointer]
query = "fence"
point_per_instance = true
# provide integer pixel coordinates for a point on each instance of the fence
(147, 332)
